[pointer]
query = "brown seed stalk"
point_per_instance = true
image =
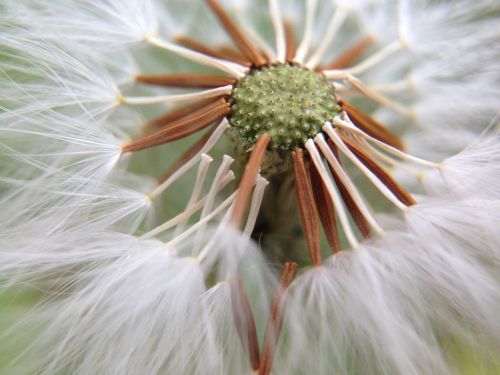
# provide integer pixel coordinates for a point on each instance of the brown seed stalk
(349, 56)
(360, 220)
(239, 38)
(291, 41)
(325, 209)
(202, 48)
(275, 320)
(370, 126)
(195, 80)
(177, 114)
(191, 152)
(245, 322)
(380, 172)
(307, 207)
(232, 54)
(183, 127)
(248, 178)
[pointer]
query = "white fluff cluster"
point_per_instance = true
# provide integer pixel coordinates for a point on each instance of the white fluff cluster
(132, 274)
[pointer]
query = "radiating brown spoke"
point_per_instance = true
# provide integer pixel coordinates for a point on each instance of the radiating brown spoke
(202, 48)
(231, 54)
(191, 152)
(177, 114)
(370, 126)
(238, 37)
(195, 80)
(380, 172)
(361, 222)
(245, 322)
(307, 208)
(349, 56)
(275, 320)
(248, 178)
(291, 41)
(325, 209)
(183, 127)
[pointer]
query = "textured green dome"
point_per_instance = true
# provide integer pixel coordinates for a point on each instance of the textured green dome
(287, 102)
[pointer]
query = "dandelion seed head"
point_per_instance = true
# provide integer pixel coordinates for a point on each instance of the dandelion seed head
(289, 103)
(167, 160)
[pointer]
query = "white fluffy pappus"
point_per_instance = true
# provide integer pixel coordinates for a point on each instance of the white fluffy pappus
(387, 308)
(163, 308)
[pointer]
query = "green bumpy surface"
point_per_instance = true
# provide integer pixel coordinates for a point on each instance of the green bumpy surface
(288, 102)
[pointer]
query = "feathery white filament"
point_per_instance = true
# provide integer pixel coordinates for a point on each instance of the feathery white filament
(369, 174)
(334, 195)
(205, 94)
(221, 172)
(223, 224)
(202, 222)
(376, 58)
(279, 30)
(305, 43)
(217, 134)
(333, 28)
(205, 162)
(390, 149)
(184, 216)
(388, 159)
(258, 194)
(344, 178)
(379, 98)
(259, 42)
(233, 69)
(392, 87)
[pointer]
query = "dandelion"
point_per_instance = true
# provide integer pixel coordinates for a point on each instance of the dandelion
(364, 167)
